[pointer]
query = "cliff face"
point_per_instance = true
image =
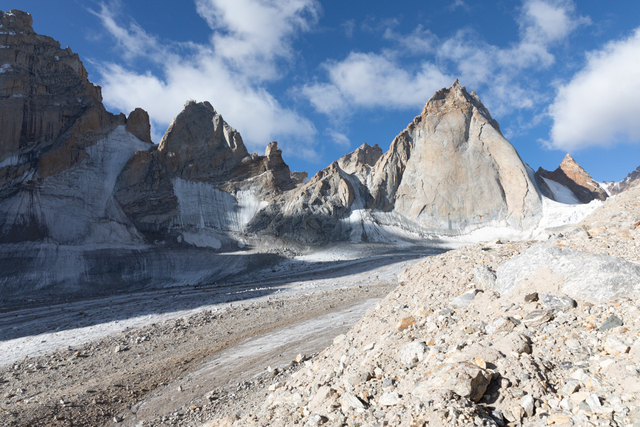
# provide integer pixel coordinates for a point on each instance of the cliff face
(49, 111)
(452, 170)
(55, 164)
(575, 178)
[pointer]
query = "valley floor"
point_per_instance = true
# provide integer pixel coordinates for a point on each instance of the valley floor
(183, 353)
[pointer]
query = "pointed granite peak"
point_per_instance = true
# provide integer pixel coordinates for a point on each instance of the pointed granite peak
(456, 97)
(573, 176)
(199, 143)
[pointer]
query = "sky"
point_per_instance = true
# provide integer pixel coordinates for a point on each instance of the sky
(322, 77)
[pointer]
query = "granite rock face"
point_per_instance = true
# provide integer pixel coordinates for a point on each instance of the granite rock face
(575, 178)
(361, 160)
(313, 212)
(451, 170)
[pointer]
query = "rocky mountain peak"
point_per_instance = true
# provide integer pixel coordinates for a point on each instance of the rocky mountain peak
(199, 144)
(361, 159)
(575, 178)
(16, 20)
(483, 180)
(456, 97)
(138, 125)
(49, 111)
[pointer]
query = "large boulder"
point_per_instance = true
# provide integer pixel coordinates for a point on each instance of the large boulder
(580, 275)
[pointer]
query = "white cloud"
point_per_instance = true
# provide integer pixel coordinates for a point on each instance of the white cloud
(339, 138)
(246, 51)
(599, 106)
(369, 80)
(420, 63)
(349, 27)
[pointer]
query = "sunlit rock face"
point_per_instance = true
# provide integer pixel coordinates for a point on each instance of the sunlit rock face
(571, 175)
(451, 170)
(60, 150)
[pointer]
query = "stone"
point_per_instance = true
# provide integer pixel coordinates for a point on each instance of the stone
(556, 303)
(316, 420)
(483, 276)
(390, 399)
(569, 388)
(614, 346)
(463, 378)
(465, 299)
(532, 297)
(559, 419)
(536, 318)
(350, 401)
(593, 400)
(502, 324)
(513, 343)
(612, 321)
(412, 353)
(527, 403)
(406, 323)
(587, 276)
(320, 399)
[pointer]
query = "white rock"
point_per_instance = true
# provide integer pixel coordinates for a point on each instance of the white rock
(390, 399)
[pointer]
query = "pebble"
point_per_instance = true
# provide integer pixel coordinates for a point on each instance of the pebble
(612, 321)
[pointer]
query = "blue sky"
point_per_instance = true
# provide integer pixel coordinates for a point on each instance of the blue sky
(322, 77)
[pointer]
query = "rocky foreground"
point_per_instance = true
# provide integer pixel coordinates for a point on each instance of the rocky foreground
(506, 333)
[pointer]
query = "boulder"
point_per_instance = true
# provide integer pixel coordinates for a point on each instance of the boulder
(585, 276)
(464, 379)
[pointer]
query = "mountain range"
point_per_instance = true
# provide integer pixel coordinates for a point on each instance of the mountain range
(88, 204)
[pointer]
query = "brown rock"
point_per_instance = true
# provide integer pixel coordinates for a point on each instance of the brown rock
(138, 125)
(573, 176)
(47, 104)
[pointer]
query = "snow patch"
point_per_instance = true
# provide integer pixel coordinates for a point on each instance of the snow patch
(4, 68)
(202, 205)
(562, 193)
(202, 239)
(10, 161)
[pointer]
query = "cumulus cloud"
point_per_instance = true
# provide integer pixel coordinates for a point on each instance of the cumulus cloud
(250, 40)
(599, 105)
(420, 63)
(370, 80)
